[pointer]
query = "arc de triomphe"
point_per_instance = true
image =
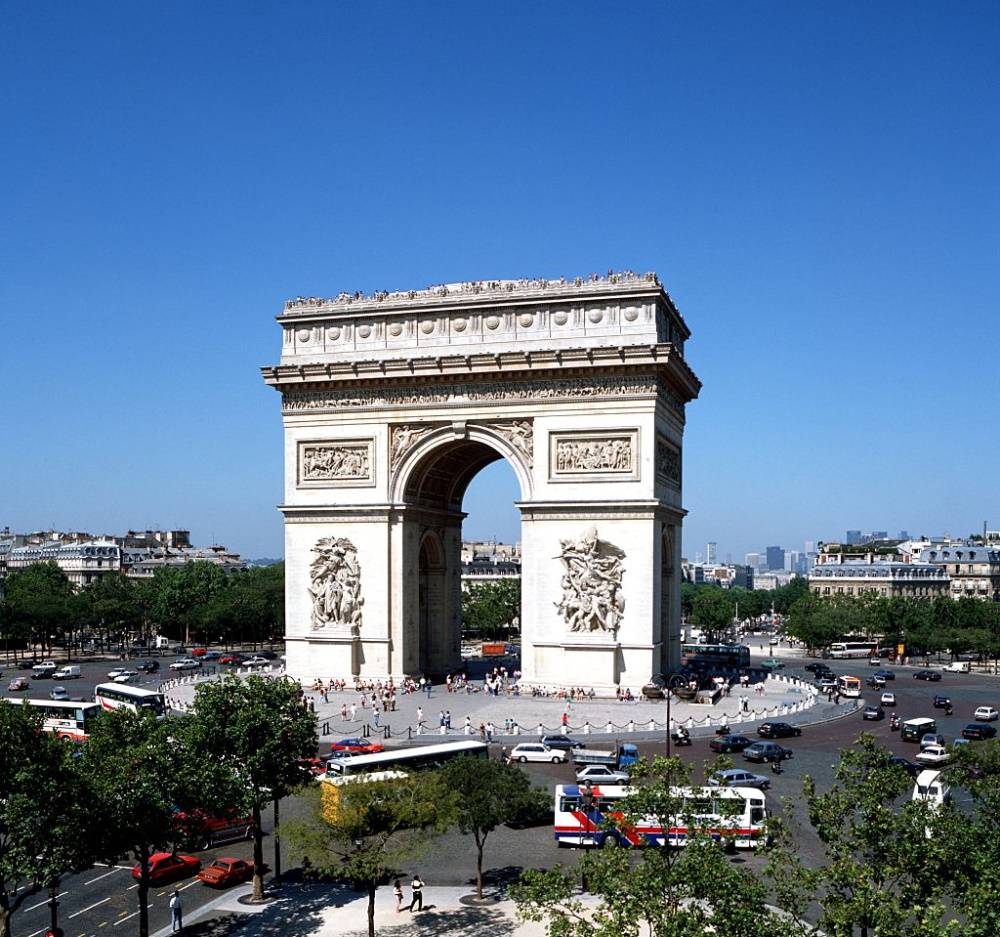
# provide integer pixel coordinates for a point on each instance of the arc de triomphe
(391, 405)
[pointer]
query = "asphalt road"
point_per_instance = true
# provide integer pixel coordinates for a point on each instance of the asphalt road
(103, 899)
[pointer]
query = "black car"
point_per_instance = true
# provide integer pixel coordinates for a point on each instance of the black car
(942, 702)
(817, 667)
(729, 743)
(931, 675)
(147, 666)
(978, 731)
(562, 742)
(885, 674)
(777, 730)
(873, 713)
(908, 766)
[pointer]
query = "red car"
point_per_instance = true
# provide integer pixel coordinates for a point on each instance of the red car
(227, 871)
(231, 659)
(314, 766)
(168, 867)
(199, 652)
(357, 747)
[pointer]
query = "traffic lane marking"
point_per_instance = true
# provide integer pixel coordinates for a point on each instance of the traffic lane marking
(117, 868)
(124, 919)
(96, 904)
(41, 903)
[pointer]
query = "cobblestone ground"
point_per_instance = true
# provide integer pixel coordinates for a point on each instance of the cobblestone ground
(419, 714)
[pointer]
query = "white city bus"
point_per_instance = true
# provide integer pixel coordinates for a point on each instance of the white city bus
(738, 814)
(842, 650)
(403, 759)
(72, 721)
(121, 695)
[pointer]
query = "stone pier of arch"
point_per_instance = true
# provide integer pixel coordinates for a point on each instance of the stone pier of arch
(391, 405)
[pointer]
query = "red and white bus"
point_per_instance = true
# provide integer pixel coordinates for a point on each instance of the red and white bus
(738, 814)
(66, 719)
(121, 695)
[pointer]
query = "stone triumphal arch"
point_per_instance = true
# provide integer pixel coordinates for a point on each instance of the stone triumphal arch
(393, 402)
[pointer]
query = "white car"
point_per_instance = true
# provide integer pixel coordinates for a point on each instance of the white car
(888, 699)
(986, 714)
(256, 662)
(536, 751)
(933, 755)
(601, 774)
(185, 663)
(126, 676)
(114, 674)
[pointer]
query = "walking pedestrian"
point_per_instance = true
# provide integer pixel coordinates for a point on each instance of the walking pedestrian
(176, 912)
(354, 712)
(489, 731)
(343, 712)
(447, 718)
(420, 715)
(397, 890)
(376, 716)
(417, 887)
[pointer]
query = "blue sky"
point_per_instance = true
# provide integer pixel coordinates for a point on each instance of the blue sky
(816, 184)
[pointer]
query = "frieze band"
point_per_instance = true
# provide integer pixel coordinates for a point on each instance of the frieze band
(481, 392)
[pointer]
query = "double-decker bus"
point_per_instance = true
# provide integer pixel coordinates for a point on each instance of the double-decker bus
(123, 696)
(738, 814)
(849, 686)
(66, 719)
(842, 650)
(406, 759)
(715, 656)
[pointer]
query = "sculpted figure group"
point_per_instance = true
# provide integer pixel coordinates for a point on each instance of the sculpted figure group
(335, 586)
(592, 598)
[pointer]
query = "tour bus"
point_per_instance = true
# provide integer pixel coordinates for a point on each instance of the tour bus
(849, 686)
(331, 788)
(121, 695)
(715, 656)
(846, 649)
(737, 814)
(68, 720)
(404, 759)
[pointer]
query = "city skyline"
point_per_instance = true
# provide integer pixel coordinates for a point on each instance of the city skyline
(820, 204)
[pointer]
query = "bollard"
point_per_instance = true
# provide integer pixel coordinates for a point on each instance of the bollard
(541, 730)
(586, 728)
(652, 725)
(610, 728)
(409, 732)
(631, 725)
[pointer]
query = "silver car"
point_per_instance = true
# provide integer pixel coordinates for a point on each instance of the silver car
(601, 774)
(737, 777)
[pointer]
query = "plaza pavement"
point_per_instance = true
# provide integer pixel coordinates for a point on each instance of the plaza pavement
(417, 715)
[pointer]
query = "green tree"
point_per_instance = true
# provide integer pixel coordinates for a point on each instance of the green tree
(881, 872)
(488, 794)
(144, 770)
(110, 604)
(38, 602)
(669, 892)
(259, 729)
(180, 593)
(712, 610)
(489, 608)
(362, 833)
(47, 827)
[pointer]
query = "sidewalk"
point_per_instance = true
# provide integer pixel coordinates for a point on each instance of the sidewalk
(316, 910)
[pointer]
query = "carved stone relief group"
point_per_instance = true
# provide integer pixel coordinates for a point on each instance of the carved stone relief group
(335, 586)
(595, 454)
(591, 584)
(336, 460)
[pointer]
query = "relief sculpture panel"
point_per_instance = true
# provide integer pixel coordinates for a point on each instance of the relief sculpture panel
(668, 462)
(335, 587)
(592, 597)
(336, 463)
(609, 455)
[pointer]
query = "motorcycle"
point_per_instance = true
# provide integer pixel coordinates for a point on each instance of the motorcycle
(680, 737)
(776, 766)
(722, 730)
(894, 723)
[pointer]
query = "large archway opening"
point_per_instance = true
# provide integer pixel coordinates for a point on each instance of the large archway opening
(439, 484)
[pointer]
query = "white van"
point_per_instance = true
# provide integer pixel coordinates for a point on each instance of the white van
(67, 672)
(959, 666)
(930, 788)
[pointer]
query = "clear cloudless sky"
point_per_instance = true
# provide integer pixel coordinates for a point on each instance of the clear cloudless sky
(818, 185)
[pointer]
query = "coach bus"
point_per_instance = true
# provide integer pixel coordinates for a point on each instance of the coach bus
(843, 650)
(737, 814)
(412, 758)
(72, 721)
(123, 696)
(715, 656)
(849, 686)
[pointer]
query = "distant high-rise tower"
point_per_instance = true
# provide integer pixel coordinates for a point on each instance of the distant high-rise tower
(904, 535)
(711, 552)
(775, 558)
(853, 537)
